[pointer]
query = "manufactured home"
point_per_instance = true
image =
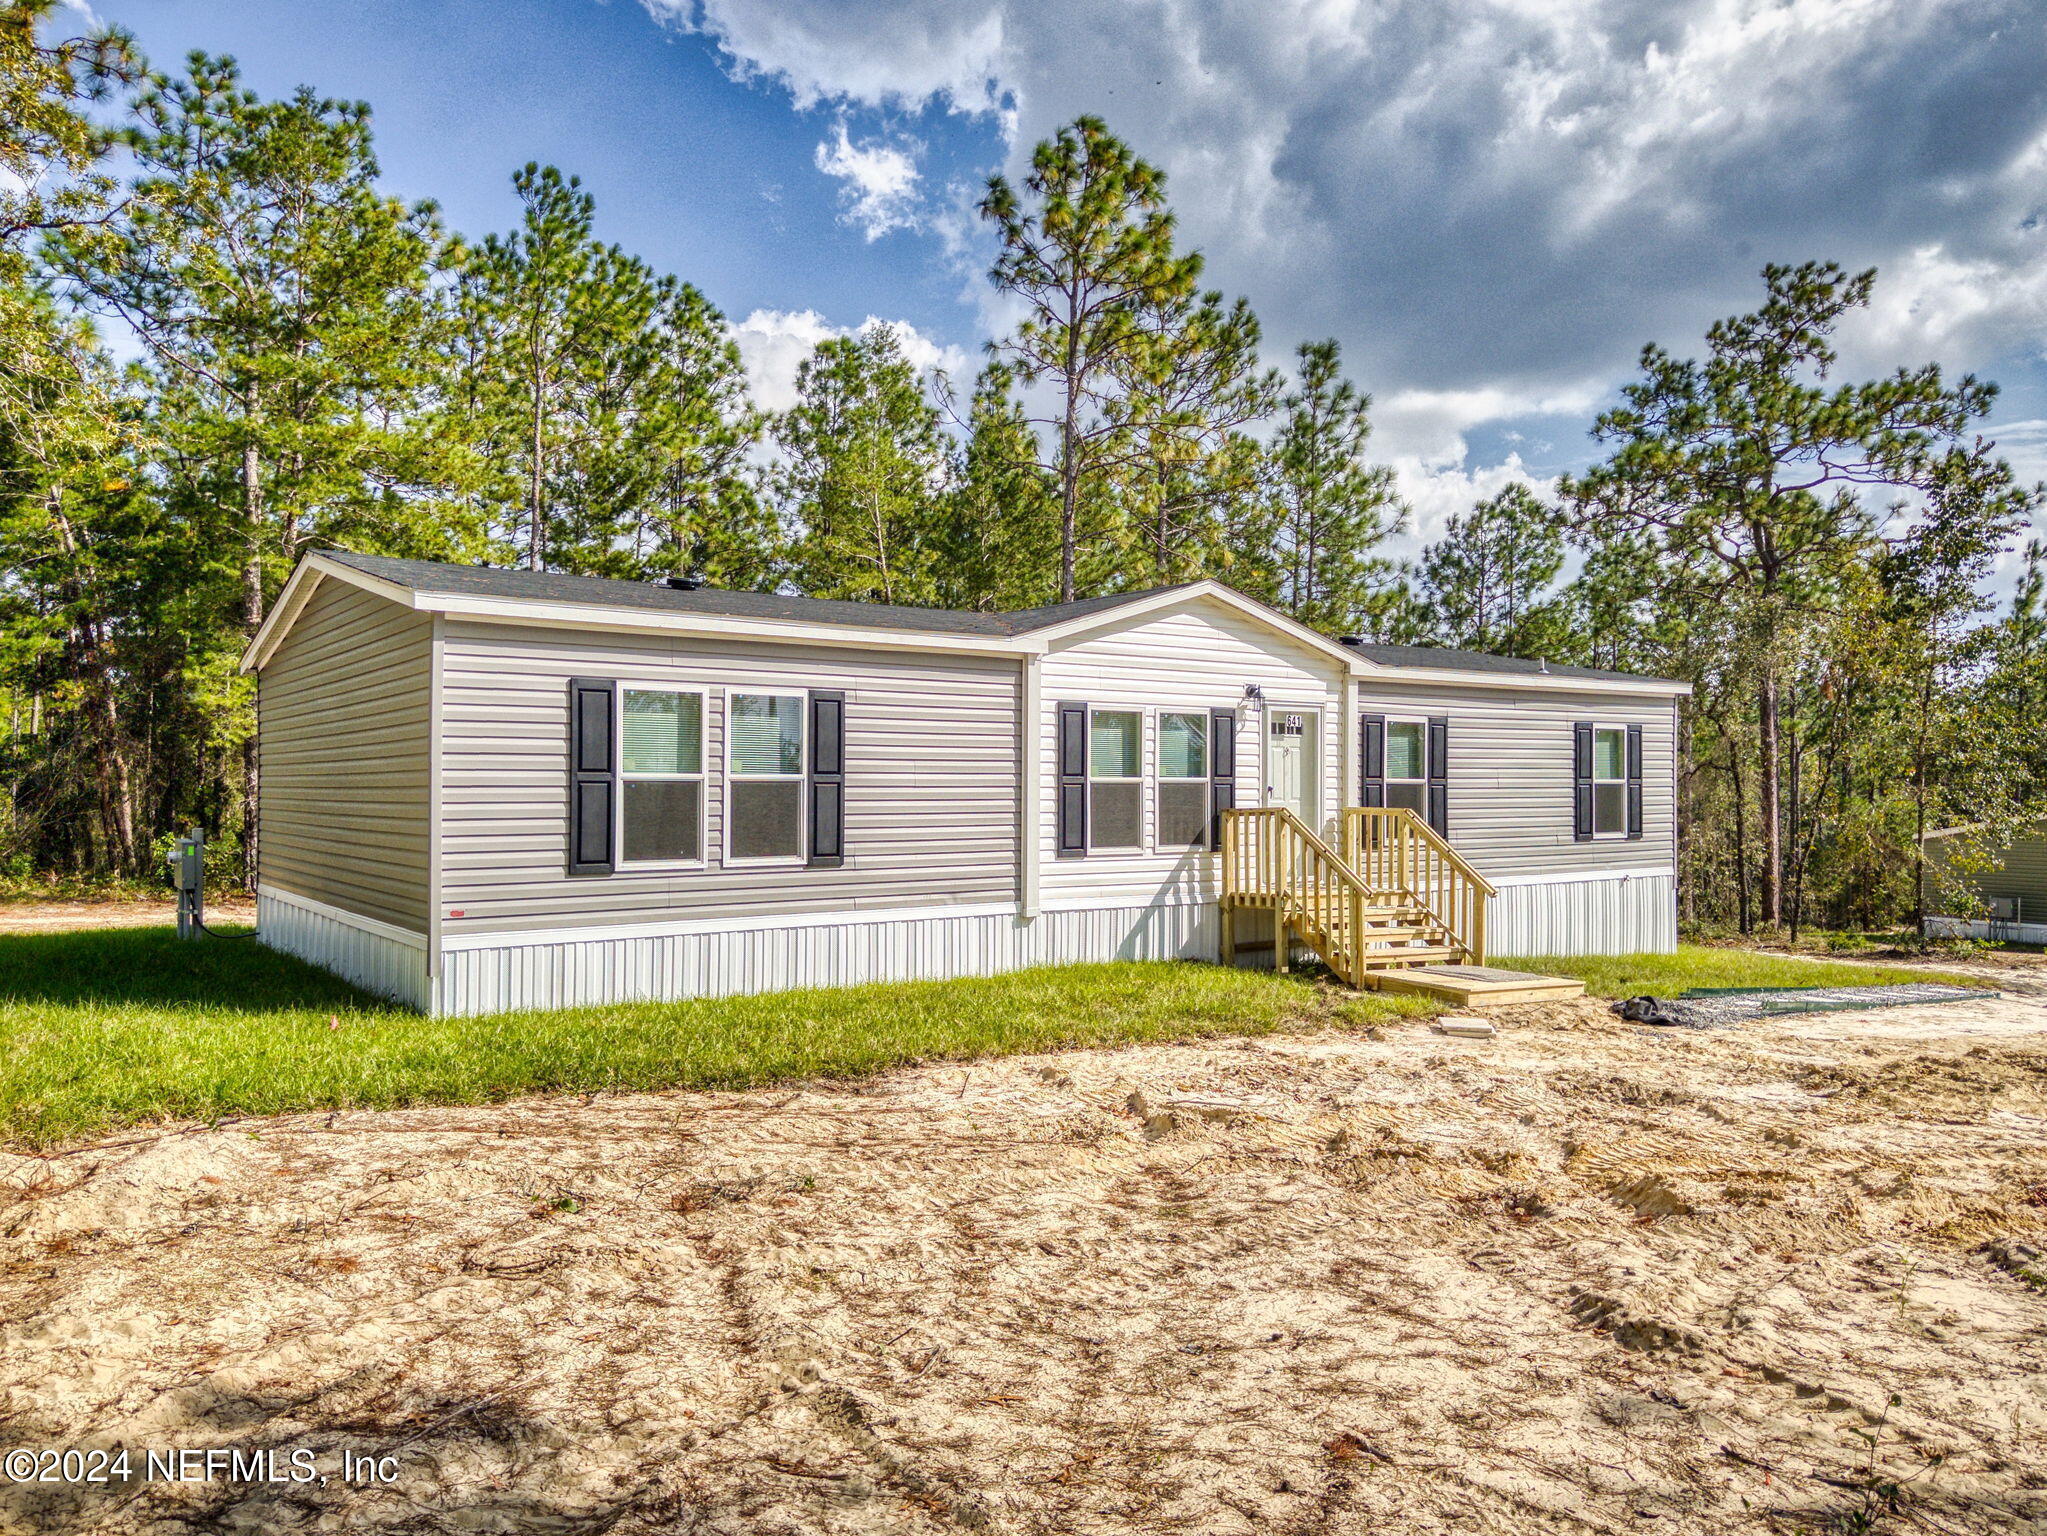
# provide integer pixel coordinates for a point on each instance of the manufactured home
(1997, 888)
(484, 789)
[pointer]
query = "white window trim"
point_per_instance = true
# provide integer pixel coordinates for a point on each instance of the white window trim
(1158, 777)
(1142, 779)
(1597, 835)
(1317, 763)
(620, 688)
(1386, 757)
(801, 777)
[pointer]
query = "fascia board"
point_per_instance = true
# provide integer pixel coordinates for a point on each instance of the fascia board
(557, 615)
(1073, 631)
(1639, 687)
(298, 590)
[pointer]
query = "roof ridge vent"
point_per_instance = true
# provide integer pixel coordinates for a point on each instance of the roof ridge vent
(682, 583)
(1355, 642)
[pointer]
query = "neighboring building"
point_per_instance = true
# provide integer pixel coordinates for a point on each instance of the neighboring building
(2012, 897)
(485, 789)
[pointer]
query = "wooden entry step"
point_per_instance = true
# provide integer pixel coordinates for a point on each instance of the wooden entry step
(1476, 985)
(1408, 955)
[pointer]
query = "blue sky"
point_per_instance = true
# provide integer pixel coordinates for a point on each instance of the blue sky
(714, 180)
(1491, 203)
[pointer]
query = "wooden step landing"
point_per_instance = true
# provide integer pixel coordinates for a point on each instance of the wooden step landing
(1409, 955)
(1476, 985)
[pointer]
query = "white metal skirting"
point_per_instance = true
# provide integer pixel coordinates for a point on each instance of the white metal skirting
(560, 970)
(373, 956)
(1635, 915)
(563, 972)
(1980, 928)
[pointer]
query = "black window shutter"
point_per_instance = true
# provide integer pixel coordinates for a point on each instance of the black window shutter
(827, 779)
(1439, 774)
(1222, 771)
(1372, 760)
(593, 780)
(1072, 781)
(1581, 781)
(1634, 781)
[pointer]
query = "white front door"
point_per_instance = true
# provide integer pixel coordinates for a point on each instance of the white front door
(1290, 757)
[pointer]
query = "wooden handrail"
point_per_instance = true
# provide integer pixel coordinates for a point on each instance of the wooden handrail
(1357, 814)
(1274, 860)
(1393, 849)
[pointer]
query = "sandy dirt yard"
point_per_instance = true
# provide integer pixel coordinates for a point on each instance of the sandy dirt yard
(1587, 1277)
(62, 916)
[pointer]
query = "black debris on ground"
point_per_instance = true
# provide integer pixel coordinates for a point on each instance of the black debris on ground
(1706, 1008)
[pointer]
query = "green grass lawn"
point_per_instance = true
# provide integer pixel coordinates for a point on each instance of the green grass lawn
(111, 1027)
(1701, 966)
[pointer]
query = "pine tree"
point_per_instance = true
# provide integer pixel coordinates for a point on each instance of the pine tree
(1486, 584)
(863, 464)
(1332, 508)
(1737, 481)
(1087, 246)
(612, 402)
(1001, 511)
(706, 517)
(1185, 458)
(287, 312)
(52, 175)
(545, 306)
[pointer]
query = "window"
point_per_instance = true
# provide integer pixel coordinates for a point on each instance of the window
(1183, 782)
(764, 777)
(1609, 781)
(1407, 765)
(661, 773)
(1116, 779)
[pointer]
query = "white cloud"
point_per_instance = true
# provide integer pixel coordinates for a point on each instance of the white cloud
(1436, 492)
(875, 57)
(1492, 202)
(773, 343)
(1932, 304)
(1492, 192)
(1428, 426)
(2023, 444)
(1424, 436)
(880, 191)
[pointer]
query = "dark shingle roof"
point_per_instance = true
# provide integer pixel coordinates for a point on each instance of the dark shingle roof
(1483, 661)
(548, 586)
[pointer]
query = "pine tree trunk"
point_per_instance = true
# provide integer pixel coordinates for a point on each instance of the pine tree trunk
(1684, 801)
(1069, 491)
(252, 620)
(1768, 805)
(1161, 526)
(117, 805)
(880, 531)
(1743, 908)
(1795, 865)
(534, 536)
(1919, 756)
(119, 781)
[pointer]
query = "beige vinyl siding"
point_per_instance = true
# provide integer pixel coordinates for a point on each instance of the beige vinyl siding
(342, 734)
(931, 778)
(1200, 657)
(1510, 775)
(2024, 874)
